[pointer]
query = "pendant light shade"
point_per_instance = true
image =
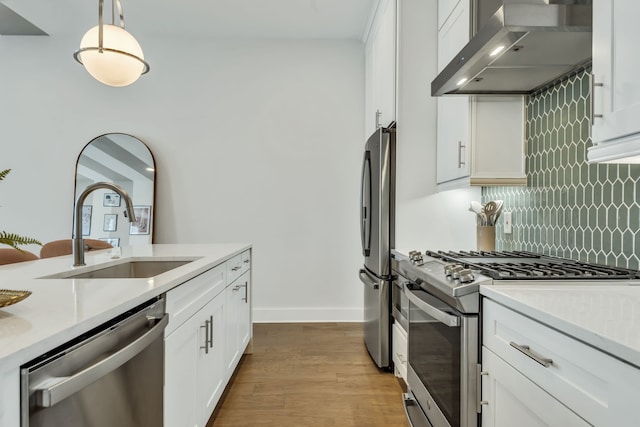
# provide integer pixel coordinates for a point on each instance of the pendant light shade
(110, 53)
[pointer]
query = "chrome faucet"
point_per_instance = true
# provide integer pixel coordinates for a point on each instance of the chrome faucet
(78, 242)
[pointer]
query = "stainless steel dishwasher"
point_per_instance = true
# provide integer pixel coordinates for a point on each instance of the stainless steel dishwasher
(110, 376)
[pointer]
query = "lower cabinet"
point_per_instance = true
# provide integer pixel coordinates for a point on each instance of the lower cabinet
(209, 329)
(512, 399)
(400, 350)
(533, 375)
(238, 319)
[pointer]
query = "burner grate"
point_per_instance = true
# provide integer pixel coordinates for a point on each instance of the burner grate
(552, 270)
(530, 266)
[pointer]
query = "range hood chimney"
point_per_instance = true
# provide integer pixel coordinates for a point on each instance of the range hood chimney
(522, 47)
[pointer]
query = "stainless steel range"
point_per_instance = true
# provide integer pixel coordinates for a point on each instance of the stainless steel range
(443, 317)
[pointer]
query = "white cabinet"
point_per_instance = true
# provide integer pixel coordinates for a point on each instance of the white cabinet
(513, 399)
(212, 375)
(209, 328)
(238, 320)
(541, 377)
(380, 68)
(195, 373)
(9, 396)
(480, 140)
(400, 350)
(616, 91)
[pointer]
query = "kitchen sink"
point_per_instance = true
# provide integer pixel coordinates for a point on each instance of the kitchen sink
(134, 269)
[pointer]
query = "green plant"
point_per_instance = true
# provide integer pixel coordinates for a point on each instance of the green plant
(12, 239)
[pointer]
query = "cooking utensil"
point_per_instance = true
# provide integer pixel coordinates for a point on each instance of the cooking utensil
(500, 204)
(490, 210)
(475, 207)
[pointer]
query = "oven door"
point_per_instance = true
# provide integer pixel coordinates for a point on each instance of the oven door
(442, 360)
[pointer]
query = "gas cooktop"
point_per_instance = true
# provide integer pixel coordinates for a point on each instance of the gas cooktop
(519, 265)
(456, 276)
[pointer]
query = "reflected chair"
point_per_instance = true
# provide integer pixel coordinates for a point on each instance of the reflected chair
(11, 255)
(64, 247)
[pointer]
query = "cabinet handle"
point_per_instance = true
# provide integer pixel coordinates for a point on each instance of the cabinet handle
(206, 337)
(246, 292)
(235, 288)
(594, 116)
(526, 350)
(236, 268)
(211, 331)
(460, 161)
(246, 261)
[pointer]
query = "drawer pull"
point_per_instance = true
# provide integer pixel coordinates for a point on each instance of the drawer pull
(524, 349)
(246, 261)
(236, 268)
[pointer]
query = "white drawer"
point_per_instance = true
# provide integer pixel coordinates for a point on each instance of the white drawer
(601, 389)
(400, 350)
(246, 261)
(185, 300)
(234, 268)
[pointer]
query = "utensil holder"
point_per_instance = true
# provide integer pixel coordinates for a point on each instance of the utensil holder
(486, 237)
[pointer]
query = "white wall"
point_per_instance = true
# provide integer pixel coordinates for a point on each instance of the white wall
(425, 218)
(255, 141)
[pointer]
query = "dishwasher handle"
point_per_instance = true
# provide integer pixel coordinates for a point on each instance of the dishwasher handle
(51, 394)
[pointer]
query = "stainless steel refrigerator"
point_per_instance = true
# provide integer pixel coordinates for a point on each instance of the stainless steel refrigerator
(377, 224)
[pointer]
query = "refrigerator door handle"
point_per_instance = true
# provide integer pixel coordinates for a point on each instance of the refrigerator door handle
(365, 199)
(364, 278)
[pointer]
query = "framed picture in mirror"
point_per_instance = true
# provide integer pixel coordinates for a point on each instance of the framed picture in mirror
(141, 224)
(86, 219)
(113, 241)
(110, 222)
(111, 199)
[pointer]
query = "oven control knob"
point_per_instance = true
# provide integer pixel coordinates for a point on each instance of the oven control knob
(466, 276)
(415, 257)
(451, 269)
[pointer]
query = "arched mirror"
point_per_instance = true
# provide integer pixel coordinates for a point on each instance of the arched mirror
(126, 161)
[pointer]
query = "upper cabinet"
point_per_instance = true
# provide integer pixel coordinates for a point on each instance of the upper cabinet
(380, 68)
(615, 89)
(480, 140)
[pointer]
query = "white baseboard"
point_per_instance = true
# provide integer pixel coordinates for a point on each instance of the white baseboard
(296, 315)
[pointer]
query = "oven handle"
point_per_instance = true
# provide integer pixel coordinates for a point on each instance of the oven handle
(441, 316)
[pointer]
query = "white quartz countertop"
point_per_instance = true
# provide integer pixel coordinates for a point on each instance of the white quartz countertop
(606, 317)
(61, 309)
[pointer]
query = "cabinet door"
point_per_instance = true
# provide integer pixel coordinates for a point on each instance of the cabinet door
(615, 64)
(244, 312)
(180, 377)
(453, 111)
(233, 293)
(380, 63)
(512, 399)
(211, 367)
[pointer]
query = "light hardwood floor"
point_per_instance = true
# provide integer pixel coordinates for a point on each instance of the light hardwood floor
(310, 375)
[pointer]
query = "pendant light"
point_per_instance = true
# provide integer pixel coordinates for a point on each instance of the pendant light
(109, 53)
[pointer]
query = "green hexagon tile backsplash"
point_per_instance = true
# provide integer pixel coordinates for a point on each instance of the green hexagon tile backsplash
(569, 208)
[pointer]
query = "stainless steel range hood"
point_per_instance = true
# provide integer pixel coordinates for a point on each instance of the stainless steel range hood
(523, 46)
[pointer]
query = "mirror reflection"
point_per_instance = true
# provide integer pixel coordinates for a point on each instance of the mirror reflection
(126, 161)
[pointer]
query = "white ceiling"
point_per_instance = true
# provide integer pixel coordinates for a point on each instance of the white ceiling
(336, 19)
